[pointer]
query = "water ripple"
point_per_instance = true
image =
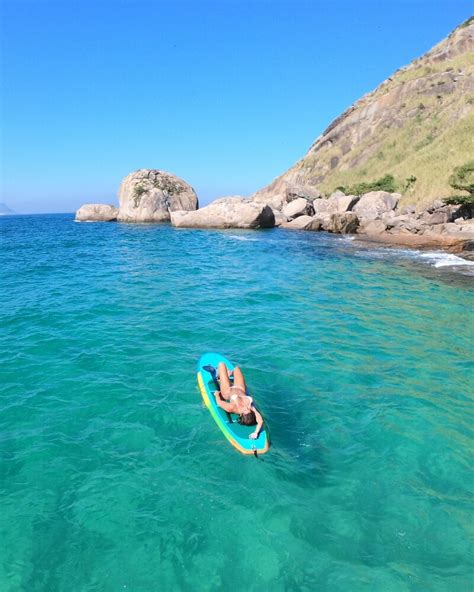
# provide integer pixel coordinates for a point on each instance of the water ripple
(112, 473)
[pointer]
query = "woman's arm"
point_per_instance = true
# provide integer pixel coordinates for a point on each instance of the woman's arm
(222, 403)
(259, 418)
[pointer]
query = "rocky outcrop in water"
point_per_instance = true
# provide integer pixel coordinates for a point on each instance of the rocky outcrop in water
(377, 217)
(147, 195)
(151, 195)
(233, 212)
(97, 213)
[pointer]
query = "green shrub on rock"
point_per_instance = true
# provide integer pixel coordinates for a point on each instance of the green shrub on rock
(137, 193)
(462, 179)
(386, 183)
(458, 200)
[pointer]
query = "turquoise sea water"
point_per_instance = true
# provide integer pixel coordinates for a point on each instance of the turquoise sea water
(114, 477)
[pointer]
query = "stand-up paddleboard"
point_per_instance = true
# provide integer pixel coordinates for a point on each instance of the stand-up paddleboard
(237, 434)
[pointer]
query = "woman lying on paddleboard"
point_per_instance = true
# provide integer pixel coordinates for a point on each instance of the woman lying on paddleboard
(233, 398)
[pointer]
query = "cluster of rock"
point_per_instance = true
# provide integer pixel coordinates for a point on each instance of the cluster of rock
(147, 195)
(377, 216)
(156, 196)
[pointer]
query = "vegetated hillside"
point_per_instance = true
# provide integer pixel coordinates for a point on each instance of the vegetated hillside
(417, 124)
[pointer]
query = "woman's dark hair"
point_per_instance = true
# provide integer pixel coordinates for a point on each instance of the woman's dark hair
(248, 419)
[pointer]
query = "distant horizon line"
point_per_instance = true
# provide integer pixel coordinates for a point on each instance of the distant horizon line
(34, 214)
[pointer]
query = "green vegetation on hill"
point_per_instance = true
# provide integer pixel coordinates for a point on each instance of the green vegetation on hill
(462, 179)
(428, 146)
(386, 183)
(468, 22)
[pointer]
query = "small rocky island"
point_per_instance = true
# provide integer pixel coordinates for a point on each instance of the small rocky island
(147, 195)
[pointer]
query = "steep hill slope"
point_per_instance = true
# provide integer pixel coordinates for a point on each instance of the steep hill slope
(418, 123)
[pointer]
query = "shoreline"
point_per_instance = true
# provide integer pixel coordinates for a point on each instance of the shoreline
(452, 246)
(427, 242)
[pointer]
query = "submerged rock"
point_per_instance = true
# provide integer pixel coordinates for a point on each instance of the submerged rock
(97, 213)
(226, 213)
(149, 195)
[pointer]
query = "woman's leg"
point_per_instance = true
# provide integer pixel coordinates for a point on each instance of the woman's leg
(223, 379)
(239, 379)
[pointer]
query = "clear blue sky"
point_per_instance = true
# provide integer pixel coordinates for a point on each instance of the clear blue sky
(226, 94)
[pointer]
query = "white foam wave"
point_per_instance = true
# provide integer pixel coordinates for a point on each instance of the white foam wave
(243, 238)
(440, 259)
(436, 259)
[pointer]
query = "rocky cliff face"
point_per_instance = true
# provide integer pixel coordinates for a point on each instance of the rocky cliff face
(150, 195)
(417, 126)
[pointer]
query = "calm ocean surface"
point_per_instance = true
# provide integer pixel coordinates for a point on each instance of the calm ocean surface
(113, 476)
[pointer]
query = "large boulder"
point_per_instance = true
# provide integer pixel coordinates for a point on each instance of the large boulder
(297, 207)
(440, 213)
(346, 223)
(278, 194)
(337, 203)
(96, 213)
(406, 210)
(226, 214)
(275, 201)
(280, 218)
(303, 223)
(150, 195)
(306, 191)
(375, 203)
(463, 230)
(403, 222)
(373, 227)
(439, 217)
(231, 199)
